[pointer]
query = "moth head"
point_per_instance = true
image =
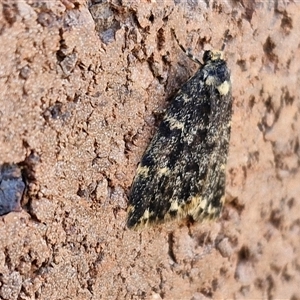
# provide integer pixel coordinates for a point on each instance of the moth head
(212, 55)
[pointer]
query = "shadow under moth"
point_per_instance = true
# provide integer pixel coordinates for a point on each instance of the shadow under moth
(182, 172)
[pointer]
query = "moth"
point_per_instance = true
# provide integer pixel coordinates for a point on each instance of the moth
(182, 172)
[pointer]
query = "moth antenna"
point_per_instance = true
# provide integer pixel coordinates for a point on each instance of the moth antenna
(226, 38)
(187, 52)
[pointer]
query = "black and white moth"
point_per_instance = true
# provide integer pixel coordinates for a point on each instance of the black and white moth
(182, 172)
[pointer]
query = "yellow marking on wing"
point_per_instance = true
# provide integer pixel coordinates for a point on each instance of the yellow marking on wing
(189, 208)
(203, 204)
(211, 210)
(185, 98)
(146, 214)
(130, 209)
(163, 171)
(224, 88)
(210, 80)
(142, 171)
(223, 167)
(174, 123)
(174, 206)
